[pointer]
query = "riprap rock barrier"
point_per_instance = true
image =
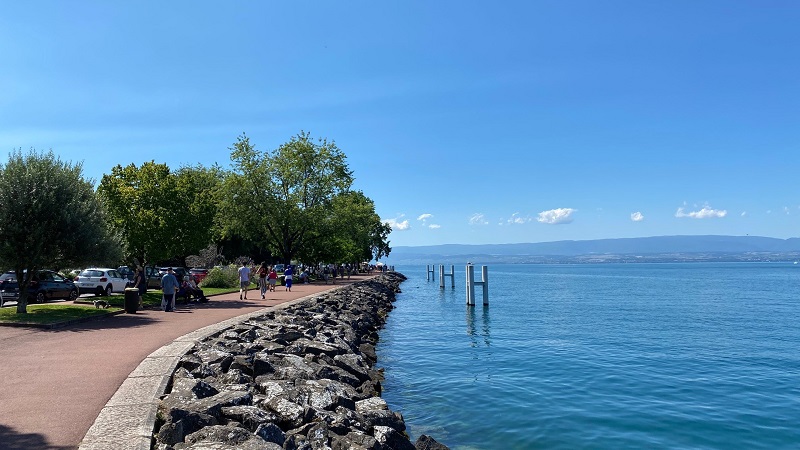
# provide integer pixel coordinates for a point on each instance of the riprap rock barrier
(298, 378)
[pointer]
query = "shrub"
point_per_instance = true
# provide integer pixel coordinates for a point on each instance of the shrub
(221, 277)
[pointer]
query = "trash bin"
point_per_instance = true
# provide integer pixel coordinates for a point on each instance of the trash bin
(131, 300)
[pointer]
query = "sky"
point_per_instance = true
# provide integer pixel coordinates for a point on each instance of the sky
(468, 122)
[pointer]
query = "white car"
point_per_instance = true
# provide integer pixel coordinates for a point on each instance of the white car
(100, 281)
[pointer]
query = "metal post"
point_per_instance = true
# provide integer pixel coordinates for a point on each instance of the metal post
(453, 277)
(485, 281)
(441, 276)
(470, 284)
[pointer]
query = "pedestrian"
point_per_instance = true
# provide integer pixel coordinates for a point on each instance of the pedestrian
(169, 286)
(272, 278)
(140, 283)
(244, 280)
(287, 274)
(262, 279)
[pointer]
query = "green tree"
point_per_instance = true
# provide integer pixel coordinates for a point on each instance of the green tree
(277, 197)
(350, 232)
(198, 189)
(50, 216)
(144, 207)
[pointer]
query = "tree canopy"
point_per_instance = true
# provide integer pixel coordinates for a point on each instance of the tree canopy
(277, 197)
(162, 214)
(50, 217)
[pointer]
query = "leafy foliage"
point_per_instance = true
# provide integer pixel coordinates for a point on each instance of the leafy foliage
(277, 197)
(162, 214)
(221, 277)
(50, 217)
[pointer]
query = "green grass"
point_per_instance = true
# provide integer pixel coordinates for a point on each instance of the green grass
(153, 297)
(50, 314)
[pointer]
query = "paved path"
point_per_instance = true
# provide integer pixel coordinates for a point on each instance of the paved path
(55, 382)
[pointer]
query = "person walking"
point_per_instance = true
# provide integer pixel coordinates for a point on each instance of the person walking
(140, 283)
(262, 279)
(244, 280)
(287, 274)
(169, 286)
(272, 278)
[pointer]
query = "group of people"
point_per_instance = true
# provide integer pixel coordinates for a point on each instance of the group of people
(267, 279)
(170, 287)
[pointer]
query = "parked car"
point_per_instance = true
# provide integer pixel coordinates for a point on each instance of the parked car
(126, 272)
(153, 277)
(45, 285)
(279, 268)
(198, 274)
(101, 281)
(179, 272)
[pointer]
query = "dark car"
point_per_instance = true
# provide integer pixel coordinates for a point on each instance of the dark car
(180, 273)
(126, 272)
(45, 285)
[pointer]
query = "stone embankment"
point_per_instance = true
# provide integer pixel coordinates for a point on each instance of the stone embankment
(299, 378)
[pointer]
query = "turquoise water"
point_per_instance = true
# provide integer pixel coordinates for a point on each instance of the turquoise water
(610, 356)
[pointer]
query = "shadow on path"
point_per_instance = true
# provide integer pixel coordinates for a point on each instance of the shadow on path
(11, 440)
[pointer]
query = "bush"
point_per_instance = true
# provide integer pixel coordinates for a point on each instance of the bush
(221, 277)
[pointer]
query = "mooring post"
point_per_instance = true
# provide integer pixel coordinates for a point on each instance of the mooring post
(429, 270)
(441, 276)
(485, 282)
(470, 284)
(453, 276)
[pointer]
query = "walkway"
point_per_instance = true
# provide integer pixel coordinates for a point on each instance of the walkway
(55, 382)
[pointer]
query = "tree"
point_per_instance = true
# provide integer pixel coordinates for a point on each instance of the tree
(198, 189)
(50, 216)
(351, 232)
(143, 206)
(277, 197)
(162, 214)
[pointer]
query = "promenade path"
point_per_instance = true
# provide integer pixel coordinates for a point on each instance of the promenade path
(53, 383)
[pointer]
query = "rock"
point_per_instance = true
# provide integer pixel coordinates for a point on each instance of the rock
(426, 442)
(392, 439)
(251, 417)
(371, 404)
(271, 433)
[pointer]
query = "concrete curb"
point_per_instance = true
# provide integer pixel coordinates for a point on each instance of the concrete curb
(128, 419)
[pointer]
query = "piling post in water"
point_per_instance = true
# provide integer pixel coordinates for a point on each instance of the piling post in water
(471, 284)
(485, 283)
(429, 271)
(443, 275)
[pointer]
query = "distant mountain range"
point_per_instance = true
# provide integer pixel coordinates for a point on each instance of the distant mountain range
(646, 249)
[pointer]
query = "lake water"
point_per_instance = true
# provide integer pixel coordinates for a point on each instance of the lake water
(608, 356)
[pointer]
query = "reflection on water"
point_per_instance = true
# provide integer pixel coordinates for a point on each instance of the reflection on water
(485, 331)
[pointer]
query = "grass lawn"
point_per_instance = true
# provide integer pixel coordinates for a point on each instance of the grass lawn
(50, 314)
(153, 297)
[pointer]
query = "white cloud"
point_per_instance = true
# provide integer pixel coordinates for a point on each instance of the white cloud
(515, 218)
(424, 216)
(637, 217)
(397, 225)
(744, 213)
(786, 210)
(434, 226)
(704, 213)
(556, 216)
(478, 219)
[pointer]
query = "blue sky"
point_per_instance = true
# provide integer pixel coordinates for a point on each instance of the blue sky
(466, 121)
